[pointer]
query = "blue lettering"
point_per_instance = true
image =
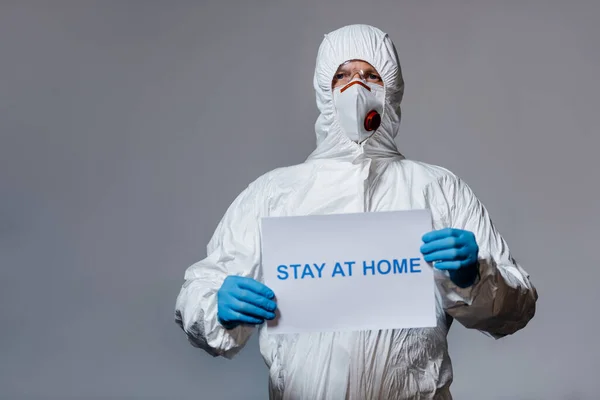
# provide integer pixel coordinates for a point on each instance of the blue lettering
(307, 271)
(399, 268)
(319, 269)
(283, 274)
(295, 266)
(350, 264)
(337, 270)
(414, 263)
(371, 267)
(384, 272)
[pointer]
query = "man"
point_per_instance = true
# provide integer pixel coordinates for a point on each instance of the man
(356, 167)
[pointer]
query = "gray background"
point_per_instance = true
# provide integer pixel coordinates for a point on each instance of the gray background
(127, 128)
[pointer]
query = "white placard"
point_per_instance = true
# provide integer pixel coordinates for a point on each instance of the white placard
(348, 272)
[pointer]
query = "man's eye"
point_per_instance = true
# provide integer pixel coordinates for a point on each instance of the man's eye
(339, 76)
(374, 77)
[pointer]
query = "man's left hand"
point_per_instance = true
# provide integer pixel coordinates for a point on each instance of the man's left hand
(454, 250)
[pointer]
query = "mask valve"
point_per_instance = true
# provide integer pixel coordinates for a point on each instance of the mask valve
(372, 121)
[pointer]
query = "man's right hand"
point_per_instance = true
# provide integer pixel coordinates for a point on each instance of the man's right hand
(243, 300)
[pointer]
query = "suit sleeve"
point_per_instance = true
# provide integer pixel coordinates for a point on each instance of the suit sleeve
(503, 299)
(233, 250)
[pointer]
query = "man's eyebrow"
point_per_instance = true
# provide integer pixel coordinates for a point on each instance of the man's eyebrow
(368, 70)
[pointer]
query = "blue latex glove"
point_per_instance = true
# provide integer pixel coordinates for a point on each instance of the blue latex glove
(244, 300)
(454, 250)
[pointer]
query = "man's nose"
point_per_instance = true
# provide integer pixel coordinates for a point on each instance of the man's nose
(356, 74)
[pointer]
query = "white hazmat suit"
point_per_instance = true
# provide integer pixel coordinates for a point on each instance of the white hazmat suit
(341, 176)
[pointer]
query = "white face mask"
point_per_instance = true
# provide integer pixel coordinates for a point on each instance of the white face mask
(359, 106)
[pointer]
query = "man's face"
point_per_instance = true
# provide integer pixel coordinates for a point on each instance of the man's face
(355, 68)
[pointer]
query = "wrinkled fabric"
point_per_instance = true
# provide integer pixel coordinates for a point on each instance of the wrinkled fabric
(341, 176)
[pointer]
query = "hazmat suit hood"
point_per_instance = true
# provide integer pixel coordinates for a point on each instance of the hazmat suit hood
(357, 42)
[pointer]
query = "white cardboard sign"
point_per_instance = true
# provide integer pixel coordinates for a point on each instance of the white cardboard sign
(348, 272)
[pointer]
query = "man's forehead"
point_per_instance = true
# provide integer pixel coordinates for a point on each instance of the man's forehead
(356, 63)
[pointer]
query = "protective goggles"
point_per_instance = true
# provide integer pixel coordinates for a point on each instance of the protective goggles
(347, 72)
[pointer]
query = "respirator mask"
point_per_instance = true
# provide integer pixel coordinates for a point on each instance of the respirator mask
(358, 107)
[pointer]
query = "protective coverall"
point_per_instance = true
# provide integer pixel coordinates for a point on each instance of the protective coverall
(341, 176)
